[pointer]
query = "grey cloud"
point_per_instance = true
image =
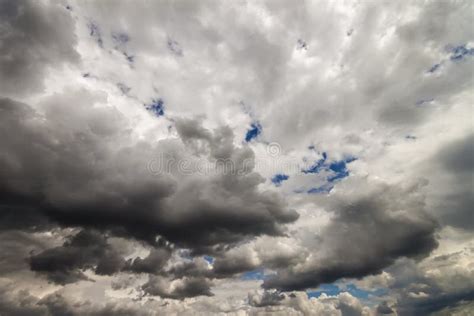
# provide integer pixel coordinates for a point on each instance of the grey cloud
(420, 292)
(365, 236)
(386, 72)
(349, 305)
(30, 219)
(197, 267)
(76, 174)
(57, 305)
(225, 265)
(153, 263)
(81, 159)
(434, 303)
(298, 303)
(219, 144)
(34, 36)
(91, 250)
(85, 250)
(110, 263)
(455, 208)
(460, 309)
(384, 309)
(232, 265)
(453, 186)
(15, 247)
(181, 288)
(23, 303)
(458, 156)
(268, 298)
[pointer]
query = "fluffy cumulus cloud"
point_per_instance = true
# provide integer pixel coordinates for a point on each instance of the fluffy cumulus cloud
(366, 234)
(240, 158)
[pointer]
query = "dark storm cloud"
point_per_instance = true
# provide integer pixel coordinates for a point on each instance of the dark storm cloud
(182, 288)
(153, 263)
(456, 192)
(91, 250)
(436, 301)
(458, 156)
(365, 236)
(249, 210)
(85, 250)
(384, 309)
(30, 219)
(421, 293)
(33, 37)
(73, 167)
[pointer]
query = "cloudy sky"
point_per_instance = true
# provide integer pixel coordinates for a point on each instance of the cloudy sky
(236, 157)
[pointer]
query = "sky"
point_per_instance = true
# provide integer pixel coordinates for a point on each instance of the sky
(236, 157)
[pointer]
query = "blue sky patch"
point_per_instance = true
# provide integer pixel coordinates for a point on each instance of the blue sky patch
(434, 68)
(209, 259)
(279, 178)
(337, 168)
(328, 289)
(459, 52)
(318, 166)
(338, 176)
(325, 188)
(256, 274)
(253, 132)
(332, 290)
(156, 106)
(364, 294)
(340, 169)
